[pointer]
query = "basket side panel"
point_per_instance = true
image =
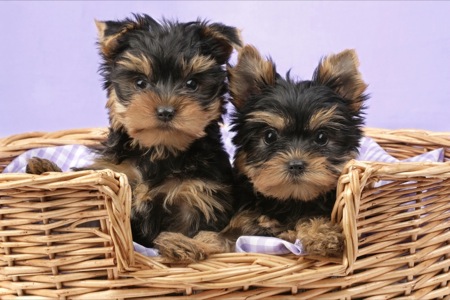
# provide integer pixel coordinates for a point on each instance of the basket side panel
(55, 229)
(403, 232)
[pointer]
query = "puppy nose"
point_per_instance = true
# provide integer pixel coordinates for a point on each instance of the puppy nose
(165, 113)
(296, 167)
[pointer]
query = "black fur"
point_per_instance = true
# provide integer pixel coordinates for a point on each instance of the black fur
(206, 160)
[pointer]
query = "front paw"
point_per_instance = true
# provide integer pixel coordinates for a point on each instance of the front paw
(38, 166)
(271, 226)
(289, 235)
(178, 247)
(321, 237)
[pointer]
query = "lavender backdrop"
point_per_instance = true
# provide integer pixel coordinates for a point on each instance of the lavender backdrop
(49, 60)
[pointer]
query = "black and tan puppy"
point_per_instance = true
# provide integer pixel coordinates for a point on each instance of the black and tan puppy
(292, 140)
(166, 84)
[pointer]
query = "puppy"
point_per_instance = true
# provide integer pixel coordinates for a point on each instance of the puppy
(165, 83)
(292, 140)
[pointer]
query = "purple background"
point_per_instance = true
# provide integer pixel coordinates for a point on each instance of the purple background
(49, 59)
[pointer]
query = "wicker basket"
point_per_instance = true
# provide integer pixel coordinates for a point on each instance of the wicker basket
(397, 236)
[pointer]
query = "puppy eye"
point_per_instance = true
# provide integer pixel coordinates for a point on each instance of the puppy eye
(141, 84)
(321, 138)
(192, 84)
(270, 136)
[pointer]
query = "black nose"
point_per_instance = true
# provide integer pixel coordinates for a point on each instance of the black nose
(296, 167)
(165, 113)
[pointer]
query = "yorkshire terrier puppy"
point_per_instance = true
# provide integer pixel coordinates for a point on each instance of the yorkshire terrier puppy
(292, 141)
(165, 84)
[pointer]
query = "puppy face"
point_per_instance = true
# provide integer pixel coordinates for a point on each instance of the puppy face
(165, 82)
(293, 138)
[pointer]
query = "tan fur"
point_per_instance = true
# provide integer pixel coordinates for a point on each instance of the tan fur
(178, 247)
(240, 161)
(192, 192)
(271, 225)
(140, 120)
(101, 28)
(197, 64)
(161, 151)
(141, 193)
(139, 64)
(324, 118)
(213, 240)
(116, 110)
(344, 65)
(211, 31)
(109, 43)
(273, 178)
(126, 167)
(319, 236)
(38, 166)
(271, 119)
(249, 74)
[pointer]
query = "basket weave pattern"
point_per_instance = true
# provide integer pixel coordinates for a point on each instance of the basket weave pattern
(67, 235)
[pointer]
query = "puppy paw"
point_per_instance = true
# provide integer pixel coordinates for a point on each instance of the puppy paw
(289, 235)
(178, 247)
(213, 242)
(267, 222)
(321, 237)
(38, 166)
(271, 226)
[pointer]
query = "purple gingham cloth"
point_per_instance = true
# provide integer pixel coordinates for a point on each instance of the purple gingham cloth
(268, 245)
(67, 157)
(144, 250)
(371, 151)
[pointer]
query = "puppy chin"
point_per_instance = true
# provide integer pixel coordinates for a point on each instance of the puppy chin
(168, 137)
(292, 191)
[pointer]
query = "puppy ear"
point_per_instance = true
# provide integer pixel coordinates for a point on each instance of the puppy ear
(340, 73)
(250, 76)
(219, 40)
(110, 32)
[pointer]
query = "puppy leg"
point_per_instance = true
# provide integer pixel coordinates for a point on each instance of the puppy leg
(178, 247)
(319, 236)
(272, 227)
(38, 166)
(249, 222)
(288, 235)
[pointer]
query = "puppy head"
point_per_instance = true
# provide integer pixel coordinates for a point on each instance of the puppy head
(165, 81)
(294, 137)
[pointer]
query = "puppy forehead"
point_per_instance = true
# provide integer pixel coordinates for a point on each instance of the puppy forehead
(270, 118)
(169, 39)
(296, 106)
(135, 61)
(142, 62)
(174, 50)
